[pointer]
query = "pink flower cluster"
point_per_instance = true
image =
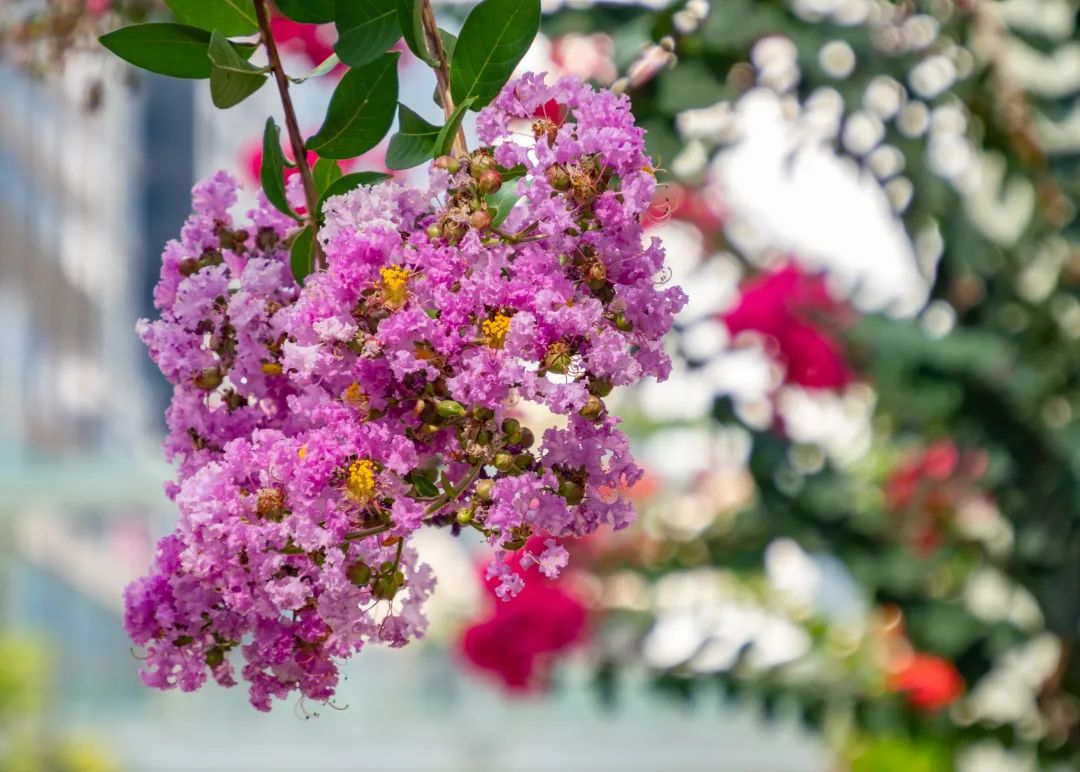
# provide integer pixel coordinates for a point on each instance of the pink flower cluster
(316, 428)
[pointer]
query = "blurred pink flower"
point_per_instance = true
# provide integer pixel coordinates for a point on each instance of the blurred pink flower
(520, 639)
(795, 311)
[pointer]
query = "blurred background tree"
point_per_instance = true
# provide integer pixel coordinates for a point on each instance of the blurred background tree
(892, 186)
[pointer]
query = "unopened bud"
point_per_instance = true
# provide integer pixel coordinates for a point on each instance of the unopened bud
(480, 164)
(385, 588)
(359, 574)
(571, 491)
(622, 323)
(601, 387)
(464, 516)
(485, 489)
(490, 181)
(481, 413)
(448, 408)
(504, 462)
(527, 438)
(433, 232)
(593, 409)
(558, 178)
(523, 460)
(449, 163)
(483, 438)
(210, 379)
(511, 426)
(215, 657)
(481, 219)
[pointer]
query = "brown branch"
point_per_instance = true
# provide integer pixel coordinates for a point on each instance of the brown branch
(296, 139)
(442, 73)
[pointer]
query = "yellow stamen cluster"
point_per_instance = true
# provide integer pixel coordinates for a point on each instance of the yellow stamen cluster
(302, 452)
(394, 279)
(354, 396)
(495, 330)
(361, 483)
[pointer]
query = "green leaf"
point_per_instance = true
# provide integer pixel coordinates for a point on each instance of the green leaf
(361, 110)
(445, 141)
(170, 49)
(411, 19)
(327, 64)
(350, 182)
(414, 142)
(501, 202)
(229, 17)
(232, 78)
(366, 28)
(272, 173)
(325, 172)
(425, 487)
(303, 247)
(494, 38)
(308, 11)
(513, 173)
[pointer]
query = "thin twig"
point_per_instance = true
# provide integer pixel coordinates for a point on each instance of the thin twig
(442, 73)
(292, 127)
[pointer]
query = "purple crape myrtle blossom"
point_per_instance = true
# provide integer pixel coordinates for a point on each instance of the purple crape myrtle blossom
(316, 428)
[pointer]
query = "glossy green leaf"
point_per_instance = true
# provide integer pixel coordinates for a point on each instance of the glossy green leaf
(414, 141)
(494, 38)
(350, 182)
(501, 202)
(177, 50)
(272, 173)
(445, 141)
(325, 172)
(229, 17)
(308, 11)
(300, 255)
(361, 110)
(411, 20)
(232, 78)
(366, 28)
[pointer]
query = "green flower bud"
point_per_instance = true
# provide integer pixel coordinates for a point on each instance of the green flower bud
(504, 462)
(601, 387)
(622, 323)
(359, 574)
(210, 379)
(484, 490)
(448, 408)
(464, 516)
(215, 657)
(523, 460)
(433, 232)
(511, 426)
(571, 491)
(593, 409)
(385, 588)
(481, 413)
(527, 438)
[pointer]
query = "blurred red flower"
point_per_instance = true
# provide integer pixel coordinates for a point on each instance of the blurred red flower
(794, 310)
(928, 682)
(928, 487)
(521, 638)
